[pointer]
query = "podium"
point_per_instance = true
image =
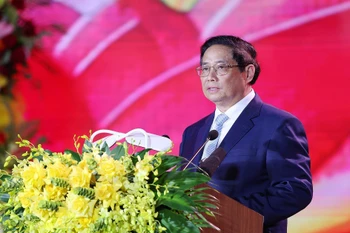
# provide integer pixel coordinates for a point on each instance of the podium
(233, 217)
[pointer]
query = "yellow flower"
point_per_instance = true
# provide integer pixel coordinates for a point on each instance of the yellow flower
(54, 193)
(107, 193)
(143, 167)
(34, 175)
(85, 222)
(98, 193)
(80, 206)
(64, 219)
(41, 213)
(62, 212)
(104, 191)
(58, 170)
(27, 197)
(80, 177)
(109, 167)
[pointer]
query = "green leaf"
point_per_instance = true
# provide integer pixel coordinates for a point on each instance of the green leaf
(4, 197)
(118, 152)
(105, 148)
(4, 177)
(75, 155)
(176, 223)
(176, 201)
(87, 145)
(142, 153)
(169, 162)
(183, 180)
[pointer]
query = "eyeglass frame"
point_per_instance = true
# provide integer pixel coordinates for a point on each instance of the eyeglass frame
(198, 69)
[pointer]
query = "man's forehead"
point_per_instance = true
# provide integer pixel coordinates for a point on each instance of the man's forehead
(219, 61)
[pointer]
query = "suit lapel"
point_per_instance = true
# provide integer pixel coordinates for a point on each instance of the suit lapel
(242, 125)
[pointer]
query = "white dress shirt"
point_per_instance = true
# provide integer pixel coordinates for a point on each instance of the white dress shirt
(233, 113)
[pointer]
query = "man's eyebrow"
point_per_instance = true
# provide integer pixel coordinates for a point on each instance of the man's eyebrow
(216, 62)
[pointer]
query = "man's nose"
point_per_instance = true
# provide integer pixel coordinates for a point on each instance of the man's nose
(212, 73)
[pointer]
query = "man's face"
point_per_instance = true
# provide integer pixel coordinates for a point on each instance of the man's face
(223, 90)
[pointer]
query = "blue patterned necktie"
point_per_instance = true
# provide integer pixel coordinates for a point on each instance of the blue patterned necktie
(219, 121)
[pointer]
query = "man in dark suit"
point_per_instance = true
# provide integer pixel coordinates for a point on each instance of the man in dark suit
(267, 166)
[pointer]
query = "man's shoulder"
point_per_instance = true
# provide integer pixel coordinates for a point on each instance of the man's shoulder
(275, 112)
(198, 124)
(260, 108)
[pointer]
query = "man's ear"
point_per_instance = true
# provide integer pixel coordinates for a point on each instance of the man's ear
(250, 71)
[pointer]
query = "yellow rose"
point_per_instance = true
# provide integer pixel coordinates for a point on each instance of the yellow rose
(85, 222)
(104, 191)
(80, 206)
(54, 193)
(62, 214)
(27, 197)
(110, 167)
(80, 177)
(58, 170)
(107, 193)
(34, 175)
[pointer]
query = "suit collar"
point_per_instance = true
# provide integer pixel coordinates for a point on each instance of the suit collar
(243, 124)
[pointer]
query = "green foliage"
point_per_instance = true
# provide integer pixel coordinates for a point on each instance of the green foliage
(49, 205)
(118, 152)
(176, 222)
(75, 155)
(85, 192)
(58, 182)
(183, 204)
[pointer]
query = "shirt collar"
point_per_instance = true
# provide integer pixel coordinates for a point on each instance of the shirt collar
(238, 107)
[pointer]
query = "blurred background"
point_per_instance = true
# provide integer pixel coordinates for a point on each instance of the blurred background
(125, 64)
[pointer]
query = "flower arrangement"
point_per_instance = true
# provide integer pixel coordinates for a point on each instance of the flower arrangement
(102, 190)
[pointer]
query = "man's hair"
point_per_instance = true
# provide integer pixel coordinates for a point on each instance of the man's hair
(242, 52)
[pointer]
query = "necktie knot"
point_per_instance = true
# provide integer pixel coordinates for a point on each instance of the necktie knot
(220, 119)
(211, 146)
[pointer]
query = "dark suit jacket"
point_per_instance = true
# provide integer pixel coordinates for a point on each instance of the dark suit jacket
(267, 166)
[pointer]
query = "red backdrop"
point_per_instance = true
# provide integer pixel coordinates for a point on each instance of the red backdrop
(121, 65)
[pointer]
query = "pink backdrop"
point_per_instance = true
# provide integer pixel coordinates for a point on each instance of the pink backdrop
(127, 64)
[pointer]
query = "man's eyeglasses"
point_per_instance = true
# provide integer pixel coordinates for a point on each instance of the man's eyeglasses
(220, 69)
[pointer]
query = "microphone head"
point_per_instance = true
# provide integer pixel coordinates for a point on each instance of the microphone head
(213, 134)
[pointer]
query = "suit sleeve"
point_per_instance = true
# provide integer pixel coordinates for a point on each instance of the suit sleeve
(182, 151)
(288, 167)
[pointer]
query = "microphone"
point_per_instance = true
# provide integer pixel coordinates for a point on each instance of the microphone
(213, 161)
(212, 135)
